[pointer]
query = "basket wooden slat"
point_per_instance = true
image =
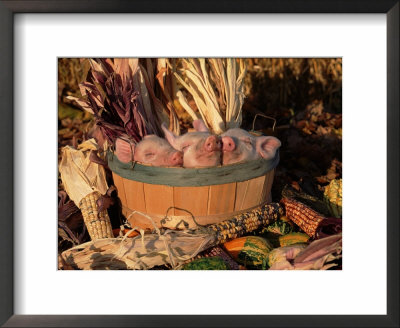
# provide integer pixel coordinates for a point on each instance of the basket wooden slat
(183, 198)
(158, 198)
(221, 198)
(266, 193)
(134, 194)
(119, 184)
(209, 204)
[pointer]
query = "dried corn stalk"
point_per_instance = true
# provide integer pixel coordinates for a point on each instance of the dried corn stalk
(85, 181)
(120, 94)
(168, 88)
(217, 87)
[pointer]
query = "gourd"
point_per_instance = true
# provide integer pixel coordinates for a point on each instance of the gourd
(273, 231)
(250, 251)
(279, 227)
(216, 251)
(333, 197)
(207, 263)
(293, 238)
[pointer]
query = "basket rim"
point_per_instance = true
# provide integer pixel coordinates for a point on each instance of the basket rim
(192, 177)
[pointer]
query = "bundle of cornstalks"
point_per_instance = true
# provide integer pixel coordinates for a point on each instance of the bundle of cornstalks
(119, 93)
(169, 93)
(217, 88)
(85, 182)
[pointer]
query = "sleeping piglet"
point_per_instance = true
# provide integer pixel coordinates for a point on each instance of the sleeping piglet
(151, 150)
(200, 148)
(240, 146)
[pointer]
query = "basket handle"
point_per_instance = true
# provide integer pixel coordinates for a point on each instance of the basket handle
(266, 116)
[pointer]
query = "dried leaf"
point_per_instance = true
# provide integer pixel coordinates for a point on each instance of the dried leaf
(120, 94)
(217, 88)
(82, 103)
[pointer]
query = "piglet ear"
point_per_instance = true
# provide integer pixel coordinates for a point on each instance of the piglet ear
(267, 146)
(200, 126)
(124, 150)
(170, 136)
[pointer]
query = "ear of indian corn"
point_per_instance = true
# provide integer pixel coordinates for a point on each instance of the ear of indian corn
(97, 223)
(247, 222)
(305, 217)
(333, 197)
(85, 181)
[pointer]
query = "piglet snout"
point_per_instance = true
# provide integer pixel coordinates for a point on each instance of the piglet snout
(228, 144)
(212, 143)
(177, 159)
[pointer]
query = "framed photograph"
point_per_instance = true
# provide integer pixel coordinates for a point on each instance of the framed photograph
(44, 44)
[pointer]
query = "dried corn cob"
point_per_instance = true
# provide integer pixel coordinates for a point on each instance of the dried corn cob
(305, 217)
(97, 223)
(246, 222)
(333, 197)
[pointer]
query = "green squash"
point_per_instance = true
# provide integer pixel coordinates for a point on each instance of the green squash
(207, 263)
(293, 238)
(250, 251)
(275, 230)
(279, 227)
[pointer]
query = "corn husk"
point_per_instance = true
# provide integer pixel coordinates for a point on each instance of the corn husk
(217, 88)
(170, 247)
(321, 254)
(79, 175)
(85, 182)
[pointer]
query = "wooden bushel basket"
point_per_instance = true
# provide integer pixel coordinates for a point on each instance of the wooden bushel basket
(172, 196)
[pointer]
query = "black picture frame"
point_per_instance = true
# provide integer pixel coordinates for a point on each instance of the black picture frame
(7, 11)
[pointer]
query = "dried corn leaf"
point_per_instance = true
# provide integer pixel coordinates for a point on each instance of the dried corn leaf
(141, 252)
(167, 85)
(209, 113)
(145, 97)
(184, 103)
(318, 255)
(120, 94)
(159, 108)
(82, 103)
(80, 176)
(150, 72)
(216, 86)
